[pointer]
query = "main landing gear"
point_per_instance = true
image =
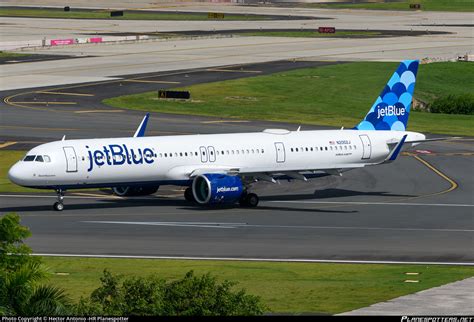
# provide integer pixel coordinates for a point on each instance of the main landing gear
(249, 200)
(58, 205)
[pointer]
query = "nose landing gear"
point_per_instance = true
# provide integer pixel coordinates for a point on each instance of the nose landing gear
(58, 205)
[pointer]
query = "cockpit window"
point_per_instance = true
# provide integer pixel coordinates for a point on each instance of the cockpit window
(46, 158)
(39, 158)
(29, 158)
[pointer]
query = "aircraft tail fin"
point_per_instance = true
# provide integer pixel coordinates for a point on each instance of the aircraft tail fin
(392, 108)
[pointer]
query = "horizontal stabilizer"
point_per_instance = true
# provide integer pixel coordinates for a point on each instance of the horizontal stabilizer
(396, 151)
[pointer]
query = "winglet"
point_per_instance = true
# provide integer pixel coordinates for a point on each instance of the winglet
(142, 127)
(396, 151)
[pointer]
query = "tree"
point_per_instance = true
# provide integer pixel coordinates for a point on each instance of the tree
(21, 291)
(190, 296)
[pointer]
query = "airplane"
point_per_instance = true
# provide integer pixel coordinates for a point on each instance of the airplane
(220, 169)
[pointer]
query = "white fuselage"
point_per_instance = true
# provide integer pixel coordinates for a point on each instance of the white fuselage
(175, 159)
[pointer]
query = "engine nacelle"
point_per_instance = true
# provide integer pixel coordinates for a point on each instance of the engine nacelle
(213, 188)
(123, 191)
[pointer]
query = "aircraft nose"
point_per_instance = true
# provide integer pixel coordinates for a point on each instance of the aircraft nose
(15, 174)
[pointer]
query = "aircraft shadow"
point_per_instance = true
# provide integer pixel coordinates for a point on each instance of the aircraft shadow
(331, 193)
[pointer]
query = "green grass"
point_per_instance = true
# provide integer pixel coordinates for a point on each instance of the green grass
(336, 95)
(128, 15)
(427, 5)
(8, 54)
(310, 34)
(284, 287)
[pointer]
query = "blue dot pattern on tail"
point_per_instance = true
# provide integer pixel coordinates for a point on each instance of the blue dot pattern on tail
(391, 109)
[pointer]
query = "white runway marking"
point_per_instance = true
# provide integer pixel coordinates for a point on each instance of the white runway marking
(293, 260)
(355, 203)
(174, 224)
(244, 225)
(364, 203)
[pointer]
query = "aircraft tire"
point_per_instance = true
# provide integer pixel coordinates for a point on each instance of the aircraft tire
(188, 195)
(252, 200)
(249, 200)
(58, 206)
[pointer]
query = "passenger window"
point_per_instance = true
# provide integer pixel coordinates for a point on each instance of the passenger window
(355, 147)
(326, 148)
(180, 154)
(345, 147)
(39, 158)
(185, 154)
(29, 158)
(48, 159)
(296, 149)
(306, 149)
(263, 151)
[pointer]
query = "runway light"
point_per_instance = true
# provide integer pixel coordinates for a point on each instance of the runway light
(411, 273)
(62, 274)
(411, 281)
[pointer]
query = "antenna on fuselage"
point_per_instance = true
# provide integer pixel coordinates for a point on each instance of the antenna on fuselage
(64, 137)
(298, 129)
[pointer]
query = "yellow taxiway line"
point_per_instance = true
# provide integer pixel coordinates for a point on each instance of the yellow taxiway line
(233, 70)
(64, 93)
(48, 103)
(149, 81)
(99, 111)
(8, 143)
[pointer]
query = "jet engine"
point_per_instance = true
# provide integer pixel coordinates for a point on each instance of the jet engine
(128, 191)
(212, 189)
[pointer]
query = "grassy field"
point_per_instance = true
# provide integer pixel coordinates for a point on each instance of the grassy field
(284, 287)
(336, 95)
(428, 5)
(310, 34)
(7, 54)
(128, 15)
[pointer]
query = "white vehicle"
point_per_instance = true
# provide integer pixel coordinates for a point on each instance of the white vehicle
(220, 168)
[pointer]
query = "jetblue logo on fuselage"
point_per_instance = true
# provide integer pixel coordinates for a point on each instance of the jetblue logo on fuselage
(390, 110)
(115, 154)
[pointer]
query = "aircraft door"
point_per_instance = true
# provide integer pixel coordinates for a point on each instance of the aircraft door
(203, 152)
(212, 153)
(71, 159)
(366, 146)
(280, 152)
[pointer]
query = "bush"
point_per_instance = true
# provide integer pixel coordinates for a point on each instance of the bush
(190, 296)
(452, 104)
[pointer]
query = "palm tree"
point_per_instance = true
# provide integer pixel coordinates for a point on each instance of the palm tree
(21, 291)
